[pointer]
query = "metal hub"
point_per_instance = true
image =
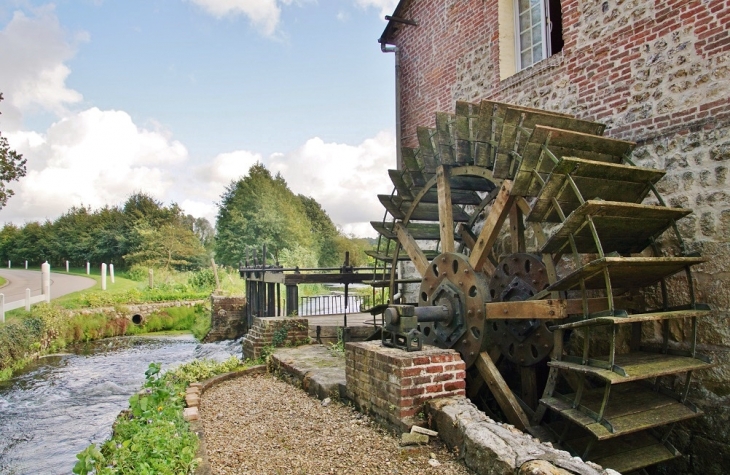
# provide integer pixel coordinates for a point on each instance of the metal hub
(524, 342)
(451, 282)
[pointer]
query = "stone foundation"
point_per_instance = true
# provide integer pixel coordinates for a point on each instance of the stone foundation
(394, 385)
(227, 319)
(276, 332)
(492, 448)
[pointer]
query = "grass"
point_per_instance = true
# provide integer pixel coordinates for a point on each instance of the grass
(3, 281)
(151, 437)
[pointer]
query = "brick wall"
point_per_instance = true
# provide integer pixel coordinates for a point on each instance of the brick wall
(227, 318)
(274, 331)
(394, 385)
(657, 72)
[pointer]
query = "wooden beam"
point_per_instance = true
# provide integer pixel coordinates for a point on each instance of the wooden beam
(599, 304)
(517, 229)
(527, 310)
(411, 247)
(501, 392)
(446, 212)
(492, 226)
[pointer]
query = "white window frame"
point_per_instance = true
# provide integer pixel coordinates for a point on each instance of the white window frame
(545, 27)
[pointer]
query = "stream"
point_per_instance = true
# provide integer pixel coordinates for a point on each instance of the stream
(61, 403)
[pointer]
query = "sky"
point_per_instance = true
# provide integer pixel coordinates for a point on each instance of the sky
(178, 98)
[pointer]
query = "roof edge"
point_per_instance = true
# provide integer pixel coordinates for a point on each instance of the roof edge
(390, 28)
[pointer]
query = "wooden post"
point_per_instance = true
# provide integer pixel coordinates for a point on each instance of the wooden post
(215, 273)
(151, 279)
(67, 267)
(111, 272)
(88, 268)
(292, 300)
(103, 277)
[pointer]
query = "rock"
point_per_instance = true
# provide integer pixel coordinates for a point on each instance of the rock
(192, 401)
(434, 463)
(326, 401)
(422, 430)
(191, 414)
(541, 467)
(413, 439)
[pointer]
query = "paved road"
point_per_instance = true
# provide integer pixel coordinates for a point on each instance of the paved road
(61, 284)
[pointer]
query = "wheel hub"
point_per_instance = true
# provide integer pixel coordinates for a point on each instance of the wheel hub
(524, 342)
(451, 282)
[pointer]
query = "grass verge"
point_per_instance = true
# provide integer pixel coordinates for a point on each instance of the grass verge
(151, 436)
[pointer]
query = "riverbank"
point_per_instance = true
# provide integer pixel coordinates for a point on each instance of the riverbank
(59, 404)
(49, 328)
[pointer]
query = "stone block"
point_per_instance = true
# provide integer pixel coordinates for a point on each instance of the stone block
(191, 414)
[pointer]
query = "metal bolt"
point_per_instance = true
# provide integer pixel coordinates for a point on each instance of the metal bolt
(461, 283)
(505, 311)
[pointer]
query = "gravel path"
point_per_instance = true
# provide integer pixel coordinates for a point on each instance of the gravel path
(260, 425)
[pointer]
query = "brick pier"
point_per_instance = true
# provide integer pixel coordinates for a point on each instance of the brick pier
(394, 385)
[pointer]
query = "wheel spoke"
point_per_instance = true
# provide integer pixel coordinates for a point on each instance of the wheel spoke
(411, 247)
(446, 212)
(492, 226)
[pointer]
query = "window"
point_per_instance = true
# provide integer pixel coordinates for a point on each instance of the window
(530, 31)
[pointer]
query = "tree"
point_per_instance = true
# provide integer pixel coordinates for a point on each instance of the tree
(171, 245)
(260, 209)
(12, 167)
(324, 231)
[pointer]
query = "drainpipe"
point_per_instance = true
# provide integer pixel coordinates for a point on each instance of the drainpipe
(386, 48)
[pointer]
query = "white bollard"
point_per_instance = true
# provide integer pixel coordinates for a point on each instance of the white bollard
(103, 277)
(2, 308)
(46, 273)
(27, 300)
(26, 265)
(8, 264)
(151, 279)
(111, 272)
(88, 268)
(67, 267)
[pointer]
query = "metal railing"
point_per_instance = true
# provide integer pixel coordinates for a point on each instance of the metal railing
(332, 304)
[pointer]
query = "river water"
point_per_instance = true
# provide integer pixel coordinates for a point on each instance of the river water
(62, 403)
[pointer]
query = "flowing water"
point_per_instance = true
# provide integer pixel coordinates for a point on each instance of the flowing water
(62, 403)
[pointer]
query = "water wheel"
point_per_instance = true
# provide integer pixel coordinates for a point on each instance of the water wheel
(533, 232)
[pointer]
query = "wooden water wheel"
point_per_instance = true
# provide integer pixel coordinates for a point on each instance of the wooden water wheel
(536, 233)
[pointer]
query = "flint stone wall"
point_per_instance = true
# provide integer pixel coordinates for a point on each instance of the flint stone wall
(657, 72)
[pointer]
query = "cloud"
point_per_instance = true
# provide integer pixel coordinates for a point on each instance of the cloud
(344, 179)
(33, 50)
(386, 6)
(263, 14)
(92, 158)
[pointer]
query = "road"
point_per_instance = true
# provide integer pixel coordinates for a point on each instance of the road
(61, 284)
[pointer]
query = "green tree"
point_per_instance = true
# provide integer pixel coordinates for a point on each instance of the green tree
(12, 167)
(260, 209)
(170, 246)
(324, 232)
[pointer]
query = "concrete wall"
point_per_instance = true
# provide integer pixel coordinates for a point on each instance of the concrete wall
(657, 72)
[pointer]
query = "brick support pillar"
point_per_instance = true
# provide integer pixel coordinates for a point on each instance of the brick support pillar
(394, 385)
(276, 332)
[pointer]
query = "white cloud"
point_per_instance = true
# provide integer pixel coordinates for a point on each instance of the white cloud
(33, 50)
(263, 14)
(386, 6)
(93, 158)
(344, 179)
